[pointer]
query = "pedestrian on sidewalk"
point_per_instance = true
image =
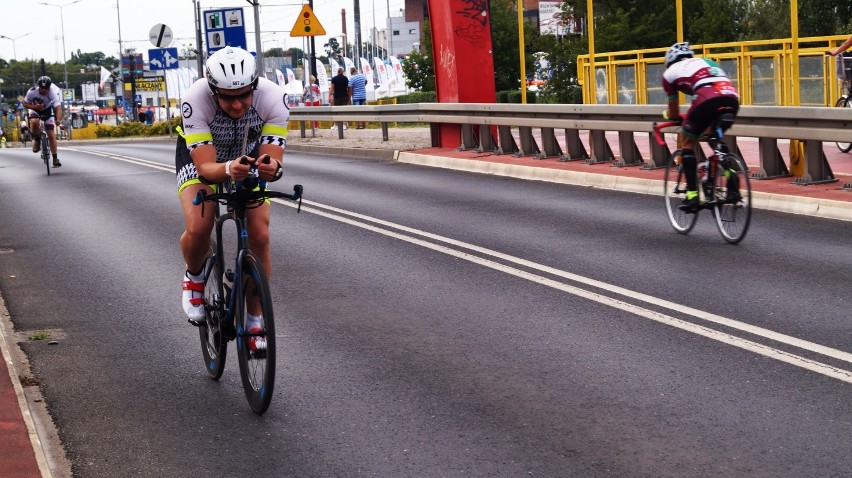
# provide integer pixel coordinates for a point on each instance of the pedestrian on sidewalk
(358, 91)
(339, 93)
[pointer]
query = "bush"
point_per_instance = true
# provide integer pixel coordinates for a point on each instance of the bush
(416, 97)
(133, 128)
(514, 96)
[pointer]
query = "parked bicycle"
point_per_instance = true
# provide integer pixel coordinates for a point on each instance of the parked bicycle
(731, 209)
(229, 292)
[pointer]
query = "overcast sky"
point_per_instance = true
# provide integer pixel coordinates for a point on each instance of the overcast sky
(92, 25)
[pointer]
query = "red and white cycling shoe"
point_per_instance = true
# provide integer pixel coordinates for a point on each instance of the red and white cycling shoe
(257, 344)
(193, 300)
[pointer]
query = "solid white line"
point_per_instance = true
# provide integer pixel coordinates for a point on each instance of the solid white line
(697, 313)
(760, 349)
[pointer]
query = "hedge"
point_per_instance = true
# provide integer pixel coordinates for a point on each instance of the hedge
(133, 128)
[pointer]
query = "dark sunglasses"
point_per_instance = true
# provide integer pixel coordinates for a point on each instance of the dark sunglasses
(240, 96)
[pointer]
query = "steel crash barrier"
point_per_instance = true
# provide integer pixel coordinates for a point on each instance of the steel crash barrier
(487, 127)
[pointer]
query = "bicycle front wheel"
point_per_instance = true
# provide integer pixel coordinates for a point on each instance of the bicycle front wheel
(257, 362)
(214, 342)
(844, 102)
(45, 152)
(674, 186)
(732, 210)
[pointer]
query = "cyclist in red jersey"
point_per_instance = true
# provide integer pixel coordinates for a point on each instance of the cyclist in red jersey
(712, 95)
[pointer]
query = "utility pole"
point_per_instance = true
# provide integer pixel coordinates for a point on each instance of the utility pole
(258, 45)
(390, 32)
(198, 52)
(357, 53)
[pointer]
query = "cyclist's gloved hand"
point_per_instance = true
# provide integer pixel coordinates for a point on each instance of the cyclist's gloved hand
(677, 118)
(238, 169)
(269, 169)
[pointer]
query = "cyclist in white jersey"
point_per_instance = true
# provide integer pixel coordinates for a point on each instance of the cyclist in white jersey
(43, 101)
(219, 113)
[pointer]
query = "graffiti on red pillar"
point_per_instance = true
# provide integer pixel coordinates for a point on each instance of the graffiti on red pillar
(476, 13)
(448, 61)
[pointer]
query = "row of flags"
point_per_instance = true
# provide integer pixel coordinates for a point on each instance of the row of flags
(389, 77)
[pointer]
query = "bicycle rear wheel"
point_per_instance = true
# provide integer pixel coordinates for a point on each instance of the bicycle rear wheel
(674, 186)
(214, 343)
(733, 214)
(256, 368)
(45, 152)
(844, 102)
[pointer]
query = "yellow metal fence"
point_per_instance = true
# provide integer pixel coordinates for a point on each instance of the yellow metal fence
(761, 70)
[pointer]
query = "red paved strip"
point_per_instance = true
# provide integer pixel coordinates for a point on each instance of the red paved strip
(17, 458)
(842, 169)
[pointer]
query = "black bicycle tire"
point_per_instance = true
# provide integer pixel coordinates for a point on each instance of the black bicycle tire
(45, 152)
(214, 347)
(733, 220)
(258, 374)
(680, 221)
(843, 102)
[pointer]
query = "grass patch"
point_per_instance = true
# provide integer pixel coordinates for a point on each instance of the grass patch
(40, 335)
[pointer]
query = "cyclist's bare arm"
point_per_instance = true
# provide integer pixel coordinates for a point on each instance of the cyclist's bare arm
(204, 157)
(842, 47)
(57, 111)
(268, 170)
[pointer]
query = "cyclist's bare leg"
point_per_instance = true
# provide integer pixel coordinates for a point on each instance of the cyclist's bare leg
(34, 127)
(195, 240)
(51, 135)
(257, 222)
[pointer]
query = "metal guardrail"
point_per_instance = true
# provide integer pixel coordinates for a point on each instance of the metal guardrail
(480, 121)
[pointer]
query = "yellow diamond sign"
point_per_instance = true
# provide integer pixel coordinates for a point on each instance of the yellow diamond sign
(307, 24)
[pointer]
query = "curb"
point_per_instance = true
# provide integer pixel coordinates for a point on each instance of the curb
(363, 153)
(824, 208)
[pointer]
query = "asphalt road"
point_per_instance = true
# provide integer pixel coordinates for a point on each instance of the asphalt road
(433, 323)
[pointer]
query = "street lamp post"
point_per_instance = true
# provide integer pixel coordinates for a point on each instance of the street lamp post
(62, 24)
(15, 50)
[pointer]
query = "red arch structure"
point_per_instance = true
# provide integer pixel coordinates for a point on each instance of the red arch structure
(464, 62)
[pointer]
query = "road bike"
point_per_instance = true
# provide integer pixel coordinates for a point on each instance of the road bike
(24, 136)
(845, 101)
(228, 292)
(732, 212)
(44, 141)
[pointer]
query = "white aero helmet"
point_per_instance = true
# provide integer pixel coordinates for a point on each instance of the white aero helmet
(230, 69)
(677, 52)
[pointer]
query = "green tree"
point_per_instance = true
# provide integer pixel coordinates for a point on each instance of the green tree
(504, 44)
(419, 67)
(276, 52)
(97, 58)
(714, 21)
(332, 48)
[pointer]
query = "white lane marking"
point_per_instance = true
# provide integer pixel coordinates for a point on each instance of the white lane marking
(700, 314)
(760, 349)
(755, 347)
(127, 159)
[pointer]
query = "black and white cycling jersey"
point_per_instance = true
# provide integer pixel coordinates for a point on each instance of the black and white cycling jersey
(205, 123)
